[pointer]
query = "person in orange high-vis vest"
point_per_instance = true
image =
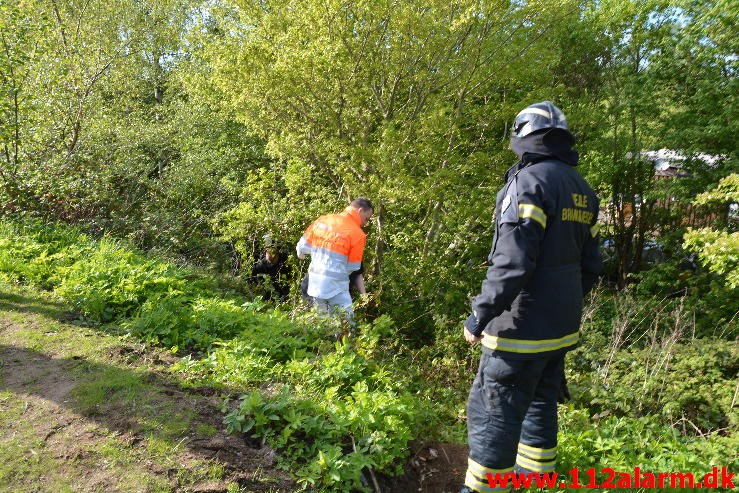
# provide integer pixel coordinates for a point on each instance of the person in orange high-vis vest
(335, 243)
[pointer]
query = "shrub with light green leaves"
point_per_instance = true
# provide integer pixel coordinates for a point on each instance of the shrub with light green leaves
(32, 252)
(113, 281)
(621, 443)
(685, 383)
(333, 417)
(717, 250)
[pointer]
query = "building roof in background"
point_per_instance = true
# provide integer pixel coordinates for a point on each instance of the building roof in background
(668, 162)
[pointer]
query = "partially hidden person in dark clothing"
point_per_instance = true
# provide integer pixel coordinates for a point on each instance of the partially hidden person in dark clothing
(544, 260)
(273, 266)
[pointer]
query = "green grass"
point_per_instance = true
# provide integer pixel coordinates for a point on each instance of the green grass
(311, 399)
(206, 430)
(23, 465)
(106, 386)
(114, 387)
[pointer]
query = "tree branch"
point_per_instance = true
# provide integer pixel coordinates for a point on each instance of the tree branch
(62, 30)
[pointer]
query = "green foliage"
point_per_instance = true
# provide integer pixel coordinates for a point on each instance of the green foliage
(673, 285)
(338, 411)
(113, 281)
(107, 281)
(681, 383)
(623, 443)
(230, 364)
(653, 58)
(32, 252)
(392, 101)
(725, 192)
(334, 417)
(640, 368)
(718, 250)
(641, 357)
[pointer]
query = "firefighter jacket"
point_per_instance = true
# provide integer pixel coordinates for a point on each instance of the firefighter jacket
(336, 244)
(543, 261)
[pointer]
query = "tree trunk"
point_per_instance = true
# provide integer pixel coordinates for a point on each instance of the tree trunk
(380, 243)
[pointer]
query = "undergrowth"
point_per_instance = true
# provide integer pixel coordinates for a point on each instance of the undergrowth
(331, 408)
(649, 389)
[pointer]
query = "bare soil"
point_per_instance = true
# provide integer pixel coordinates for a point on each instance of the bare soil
(431, 468)
(45, 379)
(44, 382)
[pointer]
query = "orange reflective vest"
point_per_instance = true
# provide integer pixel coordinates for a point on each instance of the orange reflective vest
(335, 243)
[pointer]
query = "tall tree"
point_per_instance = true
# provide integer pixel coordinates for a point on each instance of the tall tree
(23, 36)
(405, 102)
(663, 84)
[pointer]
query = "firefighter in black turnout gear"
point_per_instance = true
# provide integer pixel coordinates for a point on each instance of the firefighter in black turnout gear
(543, 261)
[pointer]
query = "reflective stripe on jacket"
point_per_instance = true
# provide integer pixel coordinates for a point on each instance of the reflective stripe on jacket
(335, 243)
(544, 260)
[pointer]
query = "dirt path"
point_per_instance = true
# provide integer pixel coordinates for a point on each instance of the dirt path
(82, 410)
(85, 411)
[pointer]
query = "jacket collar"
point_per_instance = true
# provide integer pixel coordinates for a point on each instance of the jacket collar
(552, 144)
(353, 214)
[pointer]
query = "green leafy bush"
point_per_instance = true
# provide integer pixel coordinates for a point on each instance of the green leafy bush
(647, 389)
(113, 281)
(165, 319)
(718, 250)
(31, 252)
(328, 431)
(683, 383)
(711, 300)
(621, 443)
(645, 359)
(231, 364)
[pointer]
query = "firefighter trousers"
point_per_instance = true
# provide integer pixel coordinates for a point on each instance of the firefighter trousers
(512, 417)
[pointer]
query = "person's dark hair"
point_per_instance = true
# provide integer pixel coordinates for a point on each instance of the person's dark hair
(362, 203)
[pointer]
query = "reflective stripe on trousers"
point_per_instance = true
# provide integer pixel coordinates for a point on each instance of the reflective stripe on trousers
(512, 417)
